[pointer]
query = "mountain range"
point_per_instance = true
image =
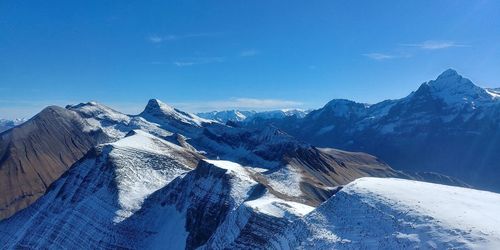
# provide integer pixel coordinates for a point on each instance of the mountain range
(87, 176)
(242, 115)
(6, 124)
(448, 125)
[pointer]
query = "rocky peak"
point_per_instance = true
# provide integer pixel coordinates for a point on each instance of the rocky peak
(159, 111)
(453, 89)
(155, 107)
(450, 79)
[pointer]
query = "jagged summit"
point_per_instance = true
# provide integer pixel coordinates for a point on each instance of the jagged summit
(451, 79)
(157, 110)
(156, 106)
(453, 89)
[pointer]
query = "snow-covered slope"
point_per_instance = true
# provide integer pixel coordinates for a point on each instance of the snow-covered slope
(87, 206)
(374, 213)
(139, 193)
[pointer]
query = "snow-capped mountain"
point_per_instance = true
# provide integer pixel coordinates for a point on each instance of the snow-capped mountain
(139, 191)
(170, 179)
(425, 131)
(6, 124)
(248, 116)
(39, 151)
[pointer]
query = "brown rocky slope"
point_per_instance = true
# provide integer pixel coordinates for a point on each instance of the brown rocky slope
(38, 152)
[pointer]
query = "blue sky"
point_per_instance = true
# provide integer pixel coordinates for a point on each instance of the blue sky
(205, 55)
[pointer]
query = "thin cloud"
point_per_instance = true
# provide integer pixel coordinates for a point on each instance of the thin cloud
(249, 52)
(172, 37)
(238, 103)
(435, 45)
(198, 60)
(380, 56)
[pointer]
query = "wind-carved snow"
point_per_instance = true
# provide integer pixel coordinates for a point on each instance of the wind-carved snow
(374, 213)
(138, 174)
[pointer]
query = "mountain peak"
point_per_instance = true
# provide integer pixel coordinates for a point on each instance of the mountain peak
(155, 107)
(449, 73)
(453, 88)
(450, 80)
(158, 110)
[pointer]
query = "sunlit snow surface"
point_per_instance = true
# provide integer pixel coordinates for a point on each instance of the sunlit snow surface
(394, 213)
(270, 205)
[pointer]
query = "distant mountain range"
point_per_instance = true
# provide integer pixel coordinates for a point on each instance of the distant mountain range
(87, 176)
(449, 126)
(8, 124)
(248, 116)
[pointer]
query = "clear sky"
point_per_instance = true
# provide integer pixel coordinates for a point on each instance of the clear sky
(205, 55)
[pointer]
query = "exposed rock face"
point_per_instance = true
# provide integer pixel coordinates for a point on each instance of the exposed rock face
(38, 152)
(324, 168)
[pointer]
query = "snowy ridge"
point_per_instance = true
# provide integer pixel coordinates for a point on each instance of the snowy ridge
(396, 213)
(137, 176)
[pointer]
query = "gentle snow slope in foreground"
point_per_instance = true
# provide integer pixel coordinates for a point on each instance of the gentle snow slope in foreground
(395, 213)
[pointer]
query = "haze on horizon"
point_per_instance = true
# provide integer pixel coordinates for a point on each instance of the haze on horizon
(202, 56)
